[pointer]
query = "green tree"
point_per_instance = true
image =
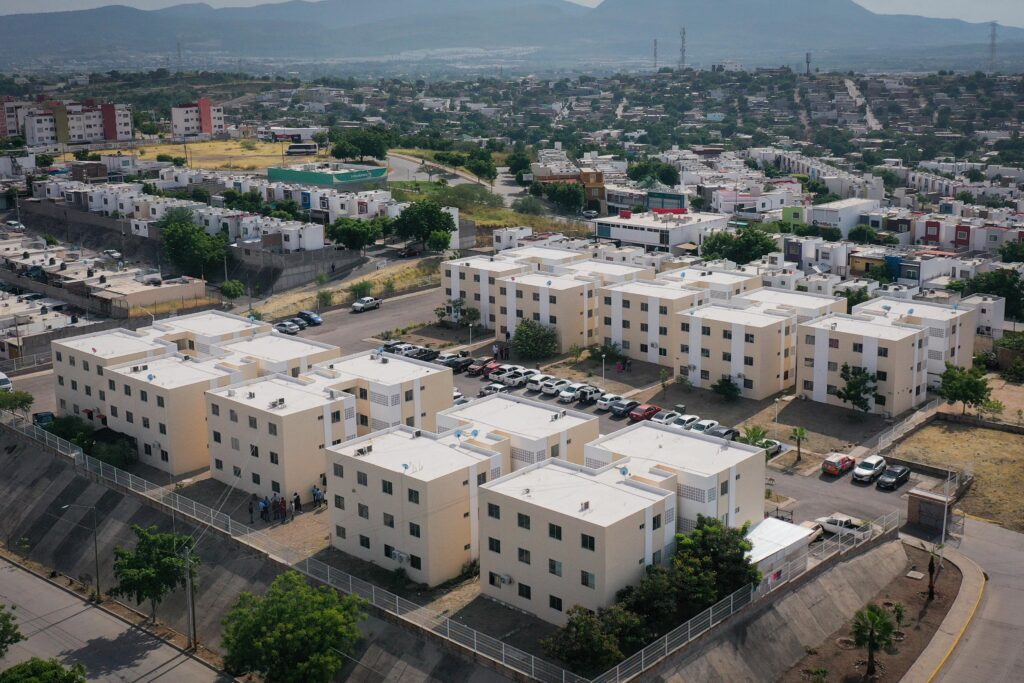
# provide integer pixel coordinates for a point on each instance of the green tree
(969, 386)
(439, 240)
(965, 197)
(536, 189)
(743, 246)
(859, 387)
(50, 240)
(664, 375)
(717, 556)
(697, 203)
(1004, 282)
(355, 234)
(727, 389)
(10, 634)
(44, 160)
(569, 197)
(16, 402)
(754, 435)
(484, 169)
(655, 598)
(188, 246)
(1012, 252)
(38, 670)
(470, 316)
(529, 205)
(387, 288)
(200, 194)
(873, 630)
(232, 289)
(584, 644)
(855, 297)
(864, 234)
(295, 633)
(324, 298)
(628, 628)
(343, 149)
(421, 219)
(799, 434)
(360, 289)
(156, 566)
(533, 341)
(879, 274)
(518, 162)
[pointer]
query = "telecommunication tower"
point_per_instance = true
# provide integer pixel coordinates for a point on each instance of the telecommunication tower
(682, 48)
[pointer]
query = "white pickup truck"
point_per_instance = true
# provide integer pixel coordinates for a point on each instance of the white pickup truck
(365, 304)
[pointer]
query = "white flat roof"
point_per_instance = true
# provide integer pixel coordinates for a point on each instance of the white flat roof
(112, 344)
(276, 347)
(424, 457)
(395, 371)
(899, 307)
(497, 265)
(298, 396)
(715, 276)
(866, 326)
(696, 453)
(522, 417)
(662, 290)
(605, 268)
(209, 324)
(171, 372)
(773, 535)
(542, 253)
(555, 486)
(652, 220)
(548, 280)
(750, 317)
(785, 297)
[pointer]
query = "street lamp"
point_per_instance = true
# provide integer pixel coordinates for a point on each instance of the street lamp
(777, 416)
(95, 543)
(602, 368)
(471, 337)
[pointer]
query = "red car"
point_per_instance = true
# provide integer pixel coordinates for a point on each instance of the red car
(644, 411)
(837, 464)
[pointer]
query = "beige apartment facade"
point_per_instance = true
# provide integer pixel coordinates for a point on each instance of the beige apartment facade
(638, 317)
(475, 281)
(565, 303)
(407, 499)
(752, 345)
(720, 284)
(894, 351)
(556, 534)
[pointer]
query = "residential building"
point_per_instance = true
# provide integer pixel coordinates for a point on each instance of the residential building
(844, 214)
(673, 230)
(565, 303)
(475, 281)
(991, 314)
(639, 316)
(197, 118)
(893, 351)
(720, 284)
(52, 123)
(806, 305)
(556, 534)
(408, 499)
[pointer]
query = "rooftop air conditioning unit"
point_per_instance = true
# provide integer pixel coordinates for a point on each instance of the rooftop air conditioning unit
(251, 394)
(585, 505)
(383, 360)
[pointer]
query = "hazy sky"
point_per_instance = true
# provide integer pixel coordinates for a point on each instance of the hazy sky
(1010, 12)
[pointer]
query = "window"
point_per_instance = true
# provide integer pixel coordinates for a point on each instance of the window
(625, 324)
(162, 428)
(882, 375)
(705, 374)
(748, 360)
(726, 334)
(625, 303)
(555, 603)
(523, 521)
(112, 385)
(160, 401)
(524, 591)
(656, 522)
(362, 393)
(808, 362)
(143, 394)
(724, 489)
(389, 520)
(883, 352)
(554, 567)
(339, 502)
(339, 531)
(364, 511)
(339, 471)
(364, 541)
(555, 532)
(705, 330)
(415, 562)
(524, 556)
(858, 348)
(808, 339)
(252, 422)
(274, 459)
(254, 450)
(684, 348)
(127, 390)
(386, 487)
(494, 545)
(587, 579)
(232, 415)
(272, 429)
(748, 384)
(684, 327)
(414, 496)
(414, 529)
(255, 478)
(237, 471)
(831, 389)
(113, 411)
(235, 444)
(494, 511)
(726, 356)
(880, 400)
(808, 385)
(833, 343)
(409, 394)
(216, 437)
(833, 366)
(129, 417)
(587, 542)
(748, 338)
(705, 353)
(361, 478)
(217, 462)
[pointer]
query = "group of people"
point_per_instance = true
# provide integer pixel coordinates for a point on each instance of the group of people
(275, 509)
(319, 497)
(500, 352)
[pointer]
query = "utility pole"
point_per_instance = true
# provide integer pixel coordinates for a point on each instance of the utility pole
(682, 48)
(655, 55)
(807, 60)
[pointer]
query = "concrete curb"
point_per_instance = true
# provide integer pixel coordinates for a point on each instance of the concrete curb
(952, 628)
(7, 557)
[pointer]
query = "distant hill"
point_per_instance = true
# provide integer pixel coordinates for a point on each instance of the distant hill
(755, 32)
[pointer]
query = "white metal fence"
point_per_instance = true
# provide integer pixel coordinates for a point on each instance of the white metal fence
(437, 623)
(38, 360)
(887, 437)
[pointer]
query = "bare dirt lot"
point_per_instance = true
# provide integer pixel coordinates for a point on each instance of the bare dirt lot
(244, 155)
(994, 457)
(840, 661)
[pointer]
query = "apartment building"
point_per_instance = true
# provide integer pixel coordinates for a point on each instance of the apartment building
(54, 123)
(950, 330)
(894, 351)
(197, 118)
(556, 534)
(720, 284)
(269, 434)
(276, 353)
(673, 230)
(535, 431)
(751, 344)
(710, 477)
(407, 499)
(844, 214)
(638, 316)
(806, 305)
(390, 390)
(475, 281)
(991, 314)
(606, 271)
(566, 303)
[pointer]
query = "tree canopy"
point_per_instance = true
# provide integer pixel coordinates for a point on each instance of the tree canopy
(188, 246)
(534, 341)
(10, 634)
(355, 234)
(36, 670)
(859, 387)
(232, 289)
(422, 218)
(743, 246)
(154, 567)
(968, 386)
(645, 169)
(1004, 282)
(295, 633)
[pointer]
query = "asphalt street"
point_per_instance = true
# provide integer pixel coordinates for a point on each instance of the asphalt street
(58, 624)
(349, 330)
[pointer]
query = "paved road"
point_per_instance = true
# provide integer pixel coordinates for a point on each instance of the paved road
(818, 495)
(59, 624)
(504, 185)
(40, 385)
(349, 330)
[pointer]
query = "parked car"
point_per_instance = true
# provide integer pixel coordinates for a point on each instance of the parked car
(286, 328)
(408, 252)
(311, 318)
(893, 477)
(112, 254)
(554, 386)
(837, 464)
(869, 468)
(459, 363)
(493, 388)
(685, 421)
(366, 303)
(477, 366)
(727, 433)
(298, 322)
(456, 394)
(644, 411)
(499, 374)
(409, 350)
(771, 447)
(519, 378)
(425, 354)
(816, 531)
(537, 381)
(569, 393)
(14, 226)
(606, 400)
(390, 345)
(42, 419)
(665, 417)
(588, 394)
(703, 425)
(461, 401)
(490, 368)
(622, 407)
(841, 524)
(443, 358)
(590, 215)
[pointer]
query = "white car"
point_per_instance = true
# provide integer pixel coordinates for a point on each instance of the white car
(456, 394)
(554, 386)
(112, 254)
(444, 358)
(665, 417)
(869, 468)
(5, 383)
(14, 226)
(569, 393)
(685, 421)
(503, 371)
(816, 530)
(411, 350)
(493, 388)
(365, 304)
(606, 401)
(518, 378)
(537, 381)
(842, 524)
(703, 425)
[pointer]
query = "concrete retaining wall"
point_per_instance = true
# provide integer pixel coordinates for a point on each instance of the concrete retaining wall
(36, 485)
(769, 638)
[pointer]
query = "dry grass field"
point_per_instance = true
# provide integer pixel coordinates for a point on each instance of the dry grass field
(241, 155)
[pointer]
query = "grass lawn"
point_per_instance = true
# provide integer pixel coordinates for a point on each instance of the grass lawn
(255, 155)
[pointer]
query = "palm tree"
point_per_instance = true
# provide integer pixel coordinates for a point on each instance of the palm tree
(873, 629)
(754, 435)
(798, 434)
